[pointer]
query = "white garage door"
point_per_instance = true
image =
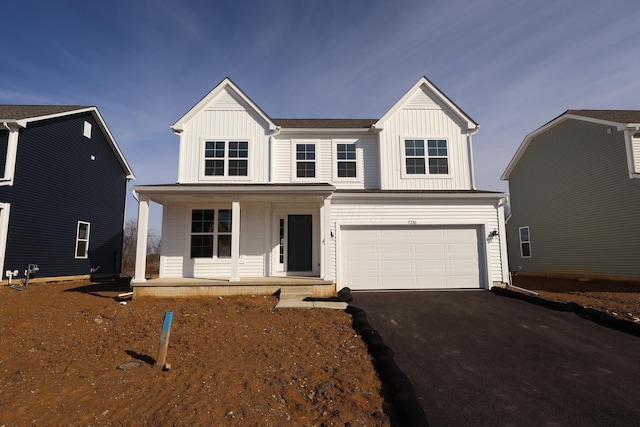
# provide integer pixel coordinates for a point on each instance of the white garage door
(410, 258)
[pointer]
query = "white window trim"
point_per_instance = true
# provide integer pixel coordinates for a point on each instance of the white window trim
(334, 160)
(294, 162)
(86, 130)
(5, 210)
(225, 177)
(10, 160)
(78, 239)
(524, 241)
(215, 233)
(427, 175)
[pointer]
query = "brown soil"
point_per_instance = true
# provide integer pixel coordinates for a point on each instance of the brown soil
(234, 361)
(619, 299)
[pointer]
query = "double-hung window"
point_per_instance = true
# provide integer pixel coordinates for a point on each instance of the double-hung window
(432, 158)
(438, 157)
(82, 239)
(414, 156)
(346, 157)
(305, 160)
(525, 242)
(210, 233)
(226, 158)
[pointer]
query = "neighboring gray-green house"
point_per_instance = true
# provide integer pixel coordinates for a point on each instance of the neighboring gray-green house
(575, 197)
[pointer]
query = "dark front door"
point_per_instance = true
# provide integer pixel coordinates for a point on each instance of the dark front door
(299, 243)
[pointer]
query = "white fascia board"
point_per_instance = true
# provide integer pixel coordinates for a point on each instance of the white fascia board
(472, 126)
(387, 195)
(231, 189)
(179, 125)
(114, 145)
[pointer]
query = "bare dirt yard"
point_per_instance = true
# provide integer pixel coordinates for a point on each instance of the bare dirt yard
(618, 299)
(234, 361)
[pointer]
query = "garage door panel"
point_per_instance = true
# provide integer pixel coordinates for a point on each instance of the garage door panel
(411, 258)
(397, 282)
(364, 265)
(362, 248)
(397, 264)
(430, 248)
(395, 248)
(427, 266)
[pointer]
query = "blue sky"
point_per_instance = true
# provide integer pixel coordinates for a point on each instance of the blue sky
(512, 65)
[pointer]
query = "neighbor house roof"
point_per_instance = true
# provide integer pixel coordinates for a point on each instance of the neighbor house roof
(21, 115)
(618, 116)
(621, 119)
(20, 112)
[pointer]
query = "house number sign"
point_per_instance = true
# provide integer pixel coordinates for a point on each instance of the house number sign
(412, 222)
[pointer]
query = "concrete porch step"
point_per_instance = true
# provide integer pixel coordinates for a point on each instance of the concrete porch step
(294, 298)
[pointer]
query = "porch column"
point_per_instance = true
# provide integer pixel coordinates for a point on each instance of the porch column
(326, 266)
(141, 243)
(235, 240)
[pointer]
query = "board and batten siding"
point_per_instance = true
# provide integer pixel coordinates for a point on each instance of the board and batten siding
(227, 117)
(424, 117)
(284, 152)
(374, 213)
(571, 187)
(174, 232)
(176, 261)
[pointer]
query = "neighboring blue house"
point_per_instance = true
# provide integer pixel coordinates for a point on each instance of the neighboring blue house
(63, 186)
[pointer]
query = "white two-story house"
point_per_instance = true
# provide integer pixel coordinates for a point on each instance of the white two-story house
(386, 203)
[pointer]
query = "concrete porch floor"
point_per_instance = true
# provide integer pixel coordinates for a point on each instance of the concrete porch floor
(190, 287)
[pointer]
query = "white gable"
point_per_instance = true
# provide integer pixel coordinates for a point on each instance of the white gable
(422, 100)
(227, 100)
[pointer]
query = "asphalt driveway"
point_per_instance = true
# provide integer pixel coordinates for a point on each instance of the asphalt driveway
(478, 359)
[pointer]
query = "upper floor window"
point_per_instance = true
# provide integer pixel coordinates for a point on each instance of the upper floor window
(305, 160)
(86, 130)
(210, 234)
(525, 242)
(433, 158)
(226, 158)
(346, 158)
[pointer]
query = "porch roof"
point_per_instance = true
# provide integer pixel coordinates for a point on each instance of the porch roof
(172, 193)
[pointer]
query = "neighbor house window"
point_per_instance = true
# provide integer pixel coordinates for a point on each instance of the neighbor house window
(82, 239)
(305, 160)
(434, 158)
(226, 158)
(86, 131)
(210, 230)
(346, 157)
(525, 242)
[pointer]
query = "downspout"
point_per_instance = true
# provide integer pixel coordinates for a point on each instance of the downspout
(273, 133)
(470, 148)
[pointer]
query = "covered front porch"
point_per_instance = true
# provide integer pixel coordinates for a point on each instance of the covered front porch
(229, 239)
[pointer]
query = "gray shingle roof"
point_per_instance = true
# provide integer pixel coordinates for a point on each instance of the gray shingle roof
(325, 123)
(19, 112)
(618, 116)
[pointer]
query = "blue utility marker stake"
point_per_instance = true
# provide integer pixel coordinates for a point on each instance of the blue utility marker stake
(164, 339)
